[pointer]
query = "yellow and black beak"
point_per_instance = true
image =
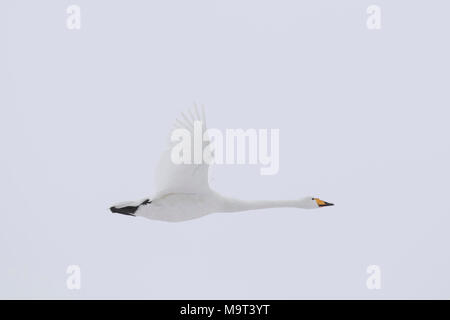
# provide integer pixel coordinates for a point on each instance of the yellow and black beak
(322, 203)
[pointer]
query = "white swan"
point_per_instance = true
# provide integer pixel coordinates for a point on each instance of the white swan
(184, 192)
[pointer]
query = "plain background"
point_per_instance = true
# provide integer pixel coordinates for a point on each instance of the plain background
(363, 118)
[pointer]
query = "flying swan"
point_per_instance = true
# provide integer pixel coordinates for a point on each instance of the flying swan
(183, 191)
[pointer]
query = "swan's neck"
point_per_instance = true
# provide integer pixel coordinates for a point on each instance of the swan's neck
(233, 205)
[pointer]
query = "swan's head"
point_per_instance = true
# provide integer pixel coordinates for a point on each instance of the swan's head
(312, 203)
(129, 208)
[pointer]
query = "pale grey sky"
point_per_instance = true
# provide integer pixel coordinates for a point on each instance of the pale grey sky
(363, 118)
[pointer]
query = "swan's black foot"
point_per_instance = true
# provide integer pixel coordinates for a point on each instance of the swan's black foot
(128, 210)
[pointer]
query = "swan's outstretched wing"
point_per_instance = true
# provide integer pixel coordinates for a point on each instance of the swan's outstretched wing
(183, 178)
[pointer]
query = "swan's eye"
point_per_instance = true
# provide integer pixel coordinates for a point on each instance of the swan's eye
(313, 199)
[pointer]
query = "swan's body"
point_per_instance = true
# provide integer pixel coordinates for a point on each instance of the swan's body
(176, 207)
(184, 191)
